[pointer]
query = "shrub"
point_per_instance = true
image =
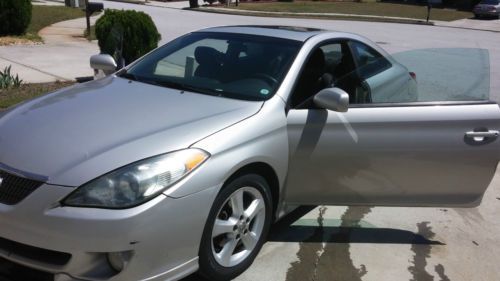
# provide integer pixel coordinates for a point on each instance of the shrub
(126, 34)
(8, 80)
(15, 16)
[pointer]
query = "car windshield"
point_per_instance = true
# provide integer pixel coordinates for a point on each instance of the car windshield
(490, 2)
(230, 65)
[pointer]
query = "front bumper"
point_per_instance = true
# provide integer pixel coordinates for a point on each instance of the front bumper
(162, 235)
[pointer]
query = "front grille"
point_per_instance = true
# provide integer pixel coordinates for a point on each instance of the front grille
(14, 189)
(10, 271)
(34, 253)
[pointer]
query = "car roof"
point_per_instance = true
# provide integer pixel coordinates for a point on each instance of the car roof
(285, 32)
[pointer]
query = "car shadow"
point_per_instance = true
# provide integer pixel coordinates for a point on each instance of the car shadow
(286, 231)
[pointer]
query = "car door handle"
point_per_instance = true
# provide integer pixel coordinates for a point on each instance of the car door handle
(481, 136)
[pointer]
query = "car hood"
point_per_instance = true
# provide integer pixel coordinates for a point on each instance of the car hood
(77, 134)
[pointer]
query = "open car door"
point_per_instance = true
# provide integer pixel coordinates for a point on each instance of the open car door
(422, 153)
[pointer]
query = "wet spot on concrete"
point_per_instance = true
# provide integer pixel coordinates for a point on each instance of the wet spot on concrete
(329, 260)
(498, 198)
(309, 254)
(475, 243)
(443, 210)
(440, 271)
(421, 253)
(336, 262)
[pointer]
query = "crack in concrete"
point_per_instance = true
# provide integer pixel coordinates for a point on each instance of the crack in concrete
(35, 69)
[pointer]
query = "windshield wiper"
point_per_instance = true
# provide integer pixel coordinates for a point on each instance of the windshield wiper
(186, 87)
(180, 86)
(128, 75)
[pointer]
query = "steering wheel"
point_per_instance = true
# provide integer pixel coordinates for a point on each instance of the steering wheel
(266, 77)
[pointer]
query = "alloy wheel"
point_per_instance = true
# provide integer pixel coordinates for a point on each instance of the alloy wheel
(238, 226)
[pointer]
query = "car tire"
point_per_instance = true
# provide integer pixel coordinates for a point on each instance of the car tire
(477, 16)
(230, 246)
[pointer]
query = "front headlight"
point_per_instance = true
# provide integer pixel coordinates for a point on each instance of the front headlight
(138, 182)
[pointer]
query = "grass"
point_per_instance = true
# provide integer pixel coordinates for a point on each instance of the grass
(12, 96)
(43, 16)
(374, 9)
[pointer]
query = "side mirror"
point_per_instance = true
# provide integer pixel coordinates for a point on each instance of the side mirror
(103, 62)
(332, 99)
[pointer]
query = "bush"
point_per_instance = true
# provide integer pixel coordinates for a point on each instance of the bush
(126, 34)
(15, 16)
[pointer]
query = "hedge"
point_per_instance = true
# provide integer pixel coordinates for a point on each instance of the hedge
(15, 16)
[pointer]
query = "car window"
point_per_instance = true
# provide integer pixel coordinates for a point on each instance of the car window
(326, 64)
(448, 74)
(239, 66)
(174, 65)
(370, 77)
(368, 61)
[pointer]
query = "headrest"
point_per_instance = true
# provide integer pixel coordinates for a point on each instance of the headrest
(207, 55)
(317, 60)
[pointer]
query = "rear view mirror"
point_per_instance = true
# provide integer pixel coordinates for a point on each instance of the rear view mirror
(104, 63)
(332, 99)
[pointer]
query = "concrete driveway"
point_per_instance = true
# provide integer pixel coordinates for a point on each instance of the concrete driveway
(367, 243)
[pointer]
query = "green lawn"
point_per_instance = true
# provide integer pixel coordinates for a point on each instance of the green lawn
(376, 9)
(43, 16)
(12, 96)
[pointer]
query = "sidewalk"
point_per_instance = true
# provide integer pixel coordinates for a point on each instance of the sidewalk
(47, 2)
(161, 4)
(62, 57)
(170, 5)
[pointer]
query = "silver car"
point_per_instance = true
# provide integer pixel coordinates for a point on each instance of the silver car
(487, 8)
(182, 161)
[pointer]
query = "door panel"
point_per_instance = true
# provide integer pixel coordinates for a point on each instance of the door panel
(392, 156)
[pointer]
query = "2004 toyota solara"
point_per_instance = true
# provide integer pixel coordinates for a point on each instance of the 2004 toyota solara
(181, 161)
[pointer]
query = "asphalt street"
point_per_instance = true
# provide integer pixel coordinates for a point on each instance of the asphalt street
(372, 243)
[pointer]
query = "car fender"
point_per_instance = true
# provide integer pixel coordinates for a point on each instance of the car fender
(260, 138)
